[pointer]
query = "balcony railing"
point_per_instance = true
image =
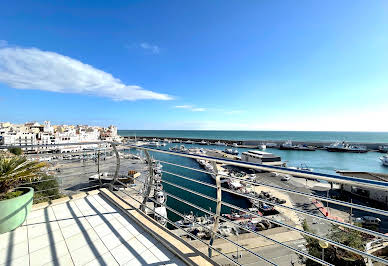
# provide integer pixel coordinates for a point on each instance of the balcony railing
(182, 187)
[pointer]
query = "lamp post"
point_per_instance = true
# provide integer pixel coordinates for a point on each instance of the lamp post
(323, 245)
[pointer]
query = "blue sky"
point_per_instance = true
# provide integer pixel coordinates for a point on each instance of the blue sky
(253, 65)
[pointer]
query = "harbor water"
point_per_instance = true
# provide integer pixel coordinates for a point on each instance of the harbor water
(320, 160)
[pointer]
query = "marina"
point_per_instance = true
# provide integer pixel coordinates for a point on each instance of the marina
(320, 160)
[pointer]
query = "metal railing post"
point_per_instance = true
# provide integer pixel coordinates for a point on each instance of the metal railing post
(117, 165)
(218, 209)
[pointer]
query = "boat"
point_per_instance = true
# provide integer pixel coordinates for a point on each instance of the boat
(187, 221)
(235, 145)
(189, 142)
(271, 145)
(304, 167)
(383, 149)
(384, 160)
(344, 147)
(262, 146)
(153, 143)
(304, 147)
(231, 151)
(203, 143)
(287, 145)
(219, 143)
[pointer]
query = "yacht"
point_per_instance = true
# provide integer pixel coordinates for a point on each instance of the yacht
(235, 145)
(384, 160)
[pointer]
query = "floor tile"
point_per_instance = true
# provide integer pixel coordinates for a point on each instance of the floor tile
(81, 239)
(15, 237)
(122, 254)
(88, 253)
(45, 240)
(35, 230)
(49, 253)
(13, 252)
(106, 259)
(21, 261)
(62, 261)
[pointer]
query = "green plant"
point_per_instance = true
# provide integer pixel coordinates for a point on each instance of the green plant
(333, 255)
(15, 150)
(46, 188)
(16, 170)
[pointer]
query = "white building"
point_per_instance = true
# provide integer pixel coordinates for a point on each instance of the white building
(33, 133)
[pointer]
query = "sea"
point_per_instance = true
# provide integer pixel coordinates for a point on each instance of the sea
(324, 136)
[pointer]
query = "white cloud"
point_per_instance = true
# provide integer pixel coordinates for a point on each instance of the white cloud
(150, 47)
(32, 68)
(3, 43)
(191, 108)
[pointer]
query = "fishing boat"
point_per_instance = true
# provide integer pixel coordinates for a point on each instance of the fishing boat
(287, 145)
(384, 160)
(344, 147)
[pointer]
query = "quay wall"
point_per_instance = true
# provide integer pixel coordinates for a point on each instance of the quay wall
(318, 144)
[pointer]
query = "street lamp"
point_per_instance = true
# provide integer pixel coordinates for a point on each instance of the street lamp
(323, 245)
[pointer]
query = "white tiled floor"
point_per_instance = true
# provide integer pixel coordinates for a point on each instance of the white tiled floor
(87, 231)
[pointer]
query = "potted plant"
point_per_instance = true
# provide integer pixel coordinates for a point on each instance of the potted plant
(15, 201)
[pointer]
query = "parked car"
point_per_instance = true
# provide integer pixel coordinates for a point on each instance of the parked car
(368, 220)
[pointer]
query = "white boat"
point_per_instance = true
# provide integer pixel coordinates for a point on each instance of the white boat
(231, 151)
(203, 143)
(154, 143)
(271, 145)
(384, 160)
(262, 146)
(235, 145)
(219, 143)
